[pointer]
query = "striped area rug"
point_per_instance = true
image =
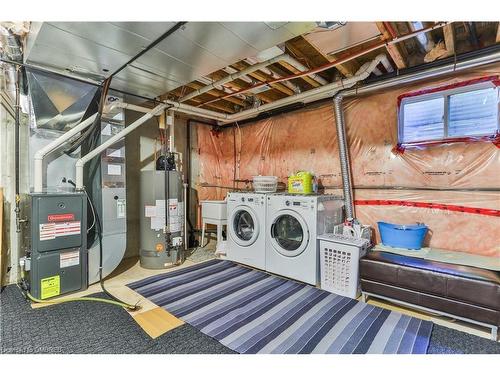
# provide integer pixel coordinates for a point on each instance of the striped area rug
(250, 311)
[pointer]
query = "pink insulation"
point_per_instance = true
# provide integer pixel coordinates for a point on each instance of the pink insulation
(462, 174)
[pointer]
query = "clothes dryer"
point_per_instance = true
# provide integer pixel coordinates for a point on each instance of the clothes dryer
(293, 223)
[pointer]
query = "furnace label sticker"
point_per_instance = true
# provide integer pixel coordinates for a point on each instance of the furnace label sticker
(51, 231)
(50, 287)
(69, 259)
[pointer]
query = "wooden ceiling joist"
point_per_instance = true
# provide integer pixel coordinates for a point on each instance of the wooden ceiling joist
(263, 77)
(449, 38)
(392, 49)
(403, 53)
(215, 93)
(218, 106)
(240, 85)
(294, 70)
(307, 49)
(306, 53)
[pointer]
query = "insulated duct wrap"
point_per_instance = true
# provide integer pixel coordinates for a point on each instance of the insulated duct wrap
(458, 174)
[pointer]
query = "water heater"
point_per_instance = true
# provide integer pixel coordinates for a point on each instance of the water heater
(162, 217)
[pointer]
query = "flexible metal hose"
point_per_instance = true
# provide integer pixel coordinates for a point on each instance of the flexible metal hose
(344, 156)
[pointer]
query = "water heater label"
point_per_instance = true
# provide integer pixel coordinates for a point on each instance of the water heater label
(51, 231)
(69, 259)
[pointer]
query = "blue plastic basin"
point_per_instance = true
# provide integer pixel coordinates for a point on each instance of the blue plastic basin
(405, 236)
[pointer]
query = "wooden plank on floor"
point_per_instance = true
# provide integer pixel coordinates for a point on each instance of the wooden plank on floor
(157, 321)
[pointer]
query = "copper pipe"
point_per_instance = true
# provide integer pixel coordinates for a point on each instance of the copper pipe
(332, 64)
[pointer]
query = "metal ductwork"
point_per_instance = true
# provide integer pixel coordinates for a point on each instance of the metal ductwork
(10, 49)
(59, 103)
(10, 45)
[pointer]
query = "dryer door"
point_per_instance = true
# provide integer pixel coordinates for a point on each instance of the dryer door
(289, 233)
(244, 226)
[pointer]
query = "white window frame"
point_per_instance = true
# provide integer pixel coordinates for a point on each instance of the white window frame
(445, 94)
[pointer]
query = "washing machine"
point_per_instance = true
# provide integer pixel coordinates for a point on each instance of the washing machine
(246, 217)
(293, 223)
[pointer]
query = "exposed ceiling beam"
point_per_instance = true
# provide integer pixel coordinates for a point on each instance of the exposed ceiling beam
(392, 49)
(215, 92)
(294, 70)
(239, 85)
(303, 51)
(449, 38)
(263, 77)
(220, 106)
(498, 33)
(345, 69)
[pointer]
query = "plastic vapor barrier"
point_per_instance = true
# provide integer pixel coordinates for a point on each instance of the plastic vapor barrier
(454, 188)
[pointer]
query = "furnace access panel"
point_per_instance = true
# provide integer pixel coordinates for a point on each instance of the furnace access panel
(58, 244)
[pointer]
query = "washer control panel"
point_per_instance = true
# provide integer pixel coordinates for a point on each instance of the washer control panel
(250, 199)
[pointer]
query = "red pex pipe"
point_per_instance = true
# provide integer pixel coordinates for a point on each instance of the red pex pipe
(334, 63)
(438, 206)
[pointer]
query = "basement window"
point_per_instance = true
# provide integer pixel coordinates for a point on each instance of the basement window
(454, 113)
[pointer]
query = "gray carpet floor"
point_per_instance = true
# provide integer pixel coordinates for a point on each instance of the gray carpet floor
(83, 327)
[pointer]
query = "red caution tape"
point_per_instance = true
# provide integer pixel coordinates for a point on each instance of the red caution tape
(438, 206)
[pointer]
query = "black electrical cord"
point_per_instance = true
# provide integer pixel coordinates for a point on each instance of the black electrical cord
(168, 238)
(97, 122)
(99, 236)
(153, 44)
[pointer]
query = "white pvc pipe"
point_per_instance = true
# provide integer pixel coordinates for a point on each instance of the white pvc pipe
(82, 161)
(332, 88)
(299, 66)
(196, 111)
(252, 68)
(309, 95)
(170, 121)
(231, 77)
(132, 107)
(40, 154)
